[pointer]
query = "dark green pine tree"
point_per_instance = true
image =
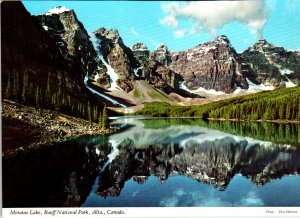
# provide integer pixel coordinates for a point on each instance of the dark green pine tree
(25, 87)
(8, 87)
(104, 118)
(89, 110)
(95, 113)
(100, 120)
(16, 85)
(48, 86)
(37, 95)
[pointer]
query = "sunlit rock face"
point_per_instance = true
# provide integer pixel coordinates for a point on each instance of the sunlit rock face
(153, 71)
(118, 56)
(272, 64)
(216, 65)
(162, 55)
(211, 65)
(73, 40)
(140, 51)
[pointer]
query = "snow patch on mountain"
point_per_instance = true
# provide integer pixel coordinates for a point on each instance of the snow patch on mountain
(200, 89)
(110, 71)
(256, 88)
(285, 71)
(289, 84)
(57, 10)
(135, 71)
(100, 94)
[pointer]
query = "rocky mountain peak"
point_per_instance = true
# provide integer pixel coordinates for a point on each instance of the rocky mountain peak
(139, 46)
(210, 65)
(262, 41)
(118, 56)
(222, 39)
(162, 55)
(58, 10)
(140, 51)
(273, 65)
(111, 34)
(262, 45)
(162, 48)
(72, 39)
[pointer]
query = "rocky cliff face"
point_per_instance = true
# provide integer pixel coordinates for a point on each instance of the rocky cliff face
(73, 41)
(212, 65)
(162, 55)
(140, 52)
(118, 56)
(273, 65)
(216, 65)
(34, 70)
(154, 72)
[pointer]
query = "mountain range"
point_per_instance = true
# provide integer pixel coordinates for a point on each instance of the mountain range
(54, 48)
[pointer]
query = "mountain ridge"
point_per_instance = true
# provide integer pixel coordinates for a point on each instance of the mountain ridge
(213, 65)
(209, 71)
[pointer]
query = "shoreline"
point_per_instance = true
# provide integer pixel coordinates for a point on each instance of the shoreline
(27, 128)
(259, 121)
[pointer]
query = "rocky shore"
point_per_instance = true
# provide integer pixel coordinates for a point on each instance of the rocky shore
(26, 128)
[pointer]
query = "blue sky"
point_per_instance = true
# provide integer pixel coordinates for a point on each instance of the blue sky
(183, 25)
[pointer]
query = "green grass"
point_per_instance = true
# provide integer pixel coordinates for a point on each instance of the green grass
(158, 96)
(137, 93)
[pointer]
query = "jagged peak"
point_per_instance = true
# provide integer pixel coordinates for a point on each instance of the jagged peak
(162, 47)
(212, 45)
(264, 43)
(139, 46)
(222, 38)
(112, 34)
(58, 10)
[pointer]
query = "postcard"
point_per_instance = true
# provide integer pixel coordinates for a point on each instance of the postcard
(150, 108)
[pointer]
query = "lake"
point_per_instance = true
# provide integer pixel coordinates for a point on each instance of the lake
(156, 162)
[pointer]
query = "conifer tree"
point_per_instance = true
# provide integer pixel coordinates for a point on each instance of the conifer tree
(100, 120)
(25, 86)
(48, 86)
(37, 95)
(16, 85)
(89, 111)
(8, 87)
(95, 113)
(104, 117)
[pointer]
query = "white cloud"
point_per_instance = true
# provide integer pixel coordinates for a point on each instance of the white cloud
(171, 9)
(179, 33)
(212, 15)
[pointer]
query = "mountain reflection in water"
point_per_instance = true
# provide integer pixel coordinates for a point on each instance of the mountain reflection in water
(154, 163)
(199, 154)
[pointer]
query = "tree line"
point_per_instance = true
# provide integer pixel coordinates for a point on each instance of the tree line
(279, 104)
(19, 88)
